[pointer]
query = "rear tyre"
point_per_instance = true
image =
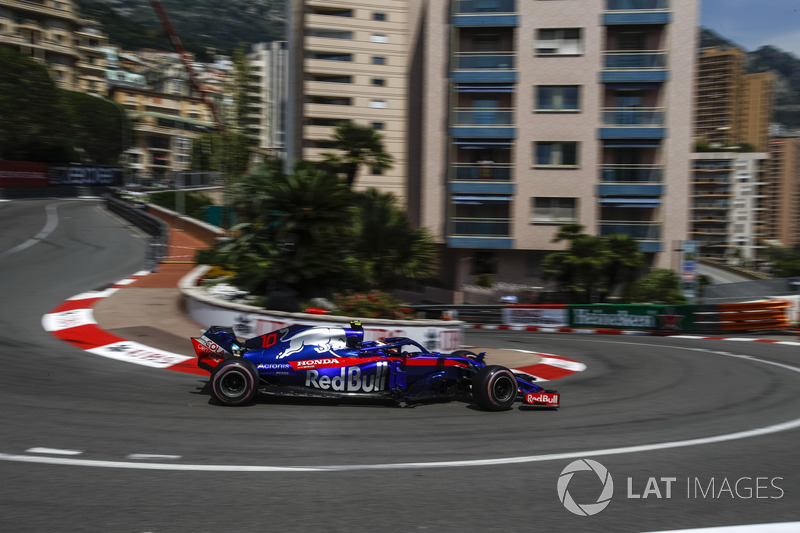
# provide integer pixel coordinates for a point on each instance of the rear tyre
(494, 388)
(235, 382)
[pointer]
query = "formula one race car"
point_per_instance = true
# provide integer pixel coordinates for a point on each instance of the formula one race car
(335, 362)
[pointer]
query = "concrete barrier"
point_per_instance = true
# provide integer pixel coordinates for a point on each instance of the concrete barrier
(250, 321)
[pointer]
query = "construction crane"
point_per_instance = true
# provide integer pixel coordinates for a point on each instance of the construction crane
(187, 63)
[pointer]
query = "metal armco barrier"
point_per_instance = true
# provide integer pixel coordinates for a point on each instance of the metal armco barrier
(157, 229)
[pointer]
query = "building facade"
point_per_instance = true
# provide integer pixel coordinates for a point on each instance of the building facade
(729, 205)
(731, 107)
(164, 127)
(782, 190)
(349, 62)
(535, 114)
(267, 108)
(56, 34)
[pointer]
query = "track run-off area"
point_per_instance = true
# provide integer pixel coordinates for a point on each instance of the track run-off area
(108, 446)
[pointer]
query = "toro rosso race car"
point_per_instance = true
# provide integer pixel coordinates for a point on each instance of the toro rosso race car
(335, 362)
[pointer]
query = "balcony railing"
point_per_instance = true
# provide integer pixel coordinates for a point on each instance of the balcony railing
(642, 231)
(635, 60)
(483, 117)
(484, 61)
(481, 172)
(633, 116)
(480, 227)
(479, 7)
(631, 173)
(636, 5)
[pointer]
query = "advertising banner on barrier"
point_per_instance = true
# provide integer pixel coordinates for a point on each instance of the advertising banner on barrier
(78, 175)
(644, 317)
(535, 315)
(23, 174)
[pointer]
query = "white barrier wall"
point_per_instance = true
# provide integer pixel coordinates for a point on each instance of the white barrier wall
(248, 321)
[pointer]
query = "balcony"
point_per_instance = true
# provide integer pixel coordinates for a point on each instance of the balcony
(634, 66)
(484, 61)
(483, 117)
(637, 12)
(641, 231)
(631, 173)
(484, 67)
(637, 5)
(481, 7)
(485, 123)
(633, 116)
(490, 172)
(480, 227)
(477, 13)
(42, 9)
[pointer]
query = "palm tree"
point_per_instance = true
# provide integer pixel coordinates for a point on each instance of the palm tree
(624, 257)
(359, 145)
(392, 252)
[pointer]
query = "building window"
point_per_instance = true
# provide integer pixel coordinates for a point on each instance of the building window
(378, 125)
(329, 78)
(329, 56)
(554, 210)
(331, 11)
(378, 104)
(331, 100)
(327, 33)
(559, 41)
(379, 16)
(378, 38)
(557, 98)
(556, 154)
(378, 82)
(378, 60)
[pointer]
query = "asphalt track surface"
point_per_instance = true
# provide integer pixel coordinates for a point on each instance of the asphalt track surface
(93, 444)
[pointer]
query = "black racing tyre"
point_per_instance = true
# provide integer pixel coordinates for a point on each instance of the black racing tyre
(235, 382)
(494, 388)
(465, 353)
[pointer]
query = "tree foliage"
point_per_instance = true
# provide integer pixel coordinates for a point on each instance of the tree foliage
(592, 268)
(358, 146)
(100, 131)
(34, 126)
(309, 233)
(660, 286)
(785, 262)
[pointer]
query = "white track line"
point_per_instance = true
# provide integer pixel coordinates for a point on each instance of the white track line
(49, 227)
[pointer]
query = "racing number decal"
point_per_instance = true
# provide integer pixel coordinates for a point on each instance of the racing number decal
(269, 340)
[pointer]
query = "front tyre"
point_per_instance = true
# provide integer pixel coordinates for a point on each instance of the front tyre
(235, 382)
(494, 388)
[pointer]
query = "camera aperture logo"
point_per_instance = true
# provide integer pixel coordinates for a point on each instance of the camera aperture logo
(586, 509)
(658, 487)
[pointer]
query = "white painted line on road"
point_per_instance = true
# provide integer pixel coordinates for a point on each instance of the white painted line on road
(152, 457)
(53, 451)
(783, 527)
(49, 227)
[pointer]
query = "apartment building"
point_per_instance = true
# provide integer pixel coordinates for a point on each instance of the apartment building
(782, 192)
(731, 107)
(349, 62)
(54, 33)
(164, 127)
(729, 205)
(527, 115)
(267, 109)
